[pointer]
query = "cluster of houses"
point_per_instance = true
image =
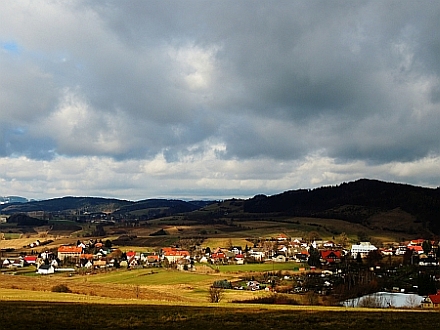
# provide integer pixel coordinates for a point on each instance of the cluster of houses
(95, 255)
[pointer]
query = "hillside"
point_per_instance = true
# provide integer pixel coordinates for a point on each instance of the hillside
(362, 202)
(82, 205)
(370, 206)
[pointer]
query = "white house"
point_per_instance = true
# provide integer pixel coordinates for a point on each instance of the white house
(46, 269)
(363, 248)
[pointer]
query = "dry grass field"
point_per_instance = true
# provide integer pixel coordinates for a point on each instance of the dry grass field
(115, 314)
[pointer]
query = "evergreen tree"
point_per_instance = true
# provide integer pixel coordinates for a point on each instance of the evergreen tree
(314, 257)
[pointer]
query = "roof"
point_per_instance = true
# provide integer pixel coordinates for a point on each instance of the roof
(416, 248)
(435, 298)
(30, 258)
(45, 267)
(177, 253)
(330, 254)
(69, 249)
(86, 256)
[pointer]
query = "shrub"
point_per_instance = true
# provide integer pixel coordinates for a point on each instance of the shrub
(61, 288)
(223, 284)
(278, 299)
(215, 294)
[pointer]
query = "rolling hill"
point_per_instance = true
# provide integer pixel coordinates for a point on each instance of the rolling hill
(362, 201)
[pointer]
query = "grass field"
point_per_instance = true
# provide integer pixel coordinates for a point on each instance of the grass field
(153, 276)
(68, 315)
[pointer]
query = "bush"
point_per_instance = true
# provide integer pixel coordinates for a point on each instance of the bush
(215, 294)
(278, 299)
(223, 284)
(61, 288)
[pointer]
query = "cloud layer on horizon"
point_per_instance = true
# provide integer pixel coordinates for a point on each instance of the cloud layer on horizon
(195, 99)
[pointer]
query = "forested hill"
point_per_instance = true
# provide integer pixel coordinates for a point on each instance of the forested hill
(355, 202)
(107, 205)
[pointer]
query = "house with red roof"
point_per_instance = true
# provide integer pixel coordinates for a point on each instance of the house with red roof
(415, 248)
(330, 256)
(31, 260)
(173, 254)
(69, 251)
(282, 237)
(432, 301)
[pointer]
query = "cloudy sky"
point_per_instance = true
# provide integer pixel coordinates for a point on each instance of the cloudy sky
(216, 99)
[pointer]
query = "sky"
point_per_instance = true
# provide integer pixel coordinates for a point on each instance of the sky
(216, 99)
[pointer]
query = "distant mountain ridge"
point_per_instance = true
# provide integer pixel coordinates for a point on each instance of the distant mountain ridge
(375, 204)
(102, 205)
(12, 199)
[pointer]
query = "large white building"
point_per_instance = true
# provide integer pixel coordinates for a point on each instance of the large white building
(363, 248)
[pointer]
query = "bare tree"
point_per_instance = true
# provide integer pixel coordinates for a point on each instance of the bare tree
(411, 301)
(215, 295)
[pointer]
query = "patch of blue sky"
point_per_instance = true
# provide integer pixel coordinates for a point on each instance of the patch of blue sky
(11, 47)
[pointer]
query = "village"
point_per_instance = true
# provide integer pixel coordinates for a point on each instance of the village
(317, 267)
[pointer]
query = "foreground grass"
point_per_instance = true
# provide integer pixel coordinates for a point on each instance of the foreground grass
(44, 315)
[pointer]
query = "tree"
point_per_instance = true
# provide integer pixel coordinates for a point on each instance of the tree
(342, 239)
(314, 257)
(108, 244)
(229, 245)
(215, 295)
(363, 236)
(374, 257)
(359, 258)
(426, 246)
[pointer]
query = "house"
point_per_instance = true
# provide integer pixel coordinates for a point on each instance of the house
(31, 260)
(428, 261)
(218, 257)
(69, 251)
(130, 254)
(328, 244)
(46, 269)
(236, 250)
(173, 254)
(257, 253)
(302, 256)
(363, 248)
(416, 242)
(184, 264)
(282, 237)
(330, 256)
(432, 301)
(386, 252)
(19, 262)
(253, 285)
(416, 248)
(101, 263)
(239, 259)
(279, 258)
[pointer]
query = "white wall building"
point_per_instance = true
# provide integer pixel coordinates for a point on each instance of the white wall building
(363, 248)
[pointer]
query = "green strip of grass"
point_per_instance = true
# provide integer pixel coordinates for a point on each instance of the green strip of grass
(155, 276)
